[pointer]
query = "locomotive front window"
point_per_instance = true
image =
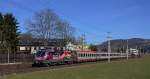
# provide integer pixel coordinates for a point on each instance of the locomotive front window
(40, 53)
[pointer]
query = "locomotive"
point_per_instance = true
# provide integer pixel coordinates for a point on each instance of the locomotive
(48, 57)
(52, 57)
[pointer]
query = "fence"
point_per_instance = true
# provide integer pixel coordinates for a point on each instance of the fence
(16, 58)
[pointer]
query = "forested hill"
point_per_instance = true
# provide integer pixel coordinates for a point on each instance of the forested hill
(121, 44)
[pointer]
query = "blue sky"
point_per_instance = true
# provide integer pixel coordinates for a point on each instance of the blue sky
(94, 18)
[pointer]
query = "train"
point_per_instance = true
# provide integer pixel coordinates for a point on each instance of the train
(49, 57)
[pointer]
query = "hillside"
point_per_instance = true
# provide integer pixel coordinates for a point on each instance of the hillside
(121, 44)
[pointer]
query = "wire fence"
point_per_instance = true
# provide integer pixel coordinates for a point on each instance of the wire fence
(16, 58)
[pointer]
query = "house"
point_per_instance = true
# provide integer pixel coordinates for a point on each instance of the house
(29, 46)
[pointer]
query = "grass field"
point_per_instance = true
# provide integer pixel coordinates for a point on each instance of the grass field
(131, 69)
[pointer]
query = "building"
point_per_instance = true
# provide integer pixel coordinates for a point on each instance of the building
(26, 46)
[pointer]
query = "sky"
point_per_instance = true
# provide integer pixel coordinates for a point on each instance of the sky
(94, 18)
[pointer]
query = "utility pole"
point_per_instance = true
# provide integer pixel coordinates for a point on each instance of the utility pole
(8, 53)
(137, 51)
(109, 45)
(123, 50)
(83, 40)
(127, 51)
(140, 51)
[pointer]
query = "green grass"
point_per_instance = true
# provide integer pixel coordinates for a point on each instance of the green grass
(131, 69)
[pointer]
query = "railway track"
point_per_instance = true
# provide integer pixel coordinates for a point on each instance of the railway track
(25, 68)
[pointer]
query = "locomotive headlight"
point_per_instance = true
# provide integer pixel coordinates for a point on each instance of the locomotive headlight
(45, 56)
(68, 56)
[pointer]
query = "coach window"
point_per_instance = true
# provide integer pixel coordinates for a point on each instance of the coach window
(93, 55)
(90, 55)
(81, 55)
(86, 55)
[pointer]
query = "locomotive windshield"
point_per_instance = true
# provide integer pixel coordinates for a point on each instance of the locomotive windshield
(40, 53)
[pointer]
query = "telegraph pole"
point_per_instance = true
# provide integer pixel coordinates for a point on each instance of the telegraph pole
(127, 51)
(109, 46)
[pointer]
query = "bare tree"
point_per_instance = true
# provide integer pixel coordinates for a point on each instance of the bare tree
(25, 37)
(65, 31)
(43, 24)
(46, 25)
